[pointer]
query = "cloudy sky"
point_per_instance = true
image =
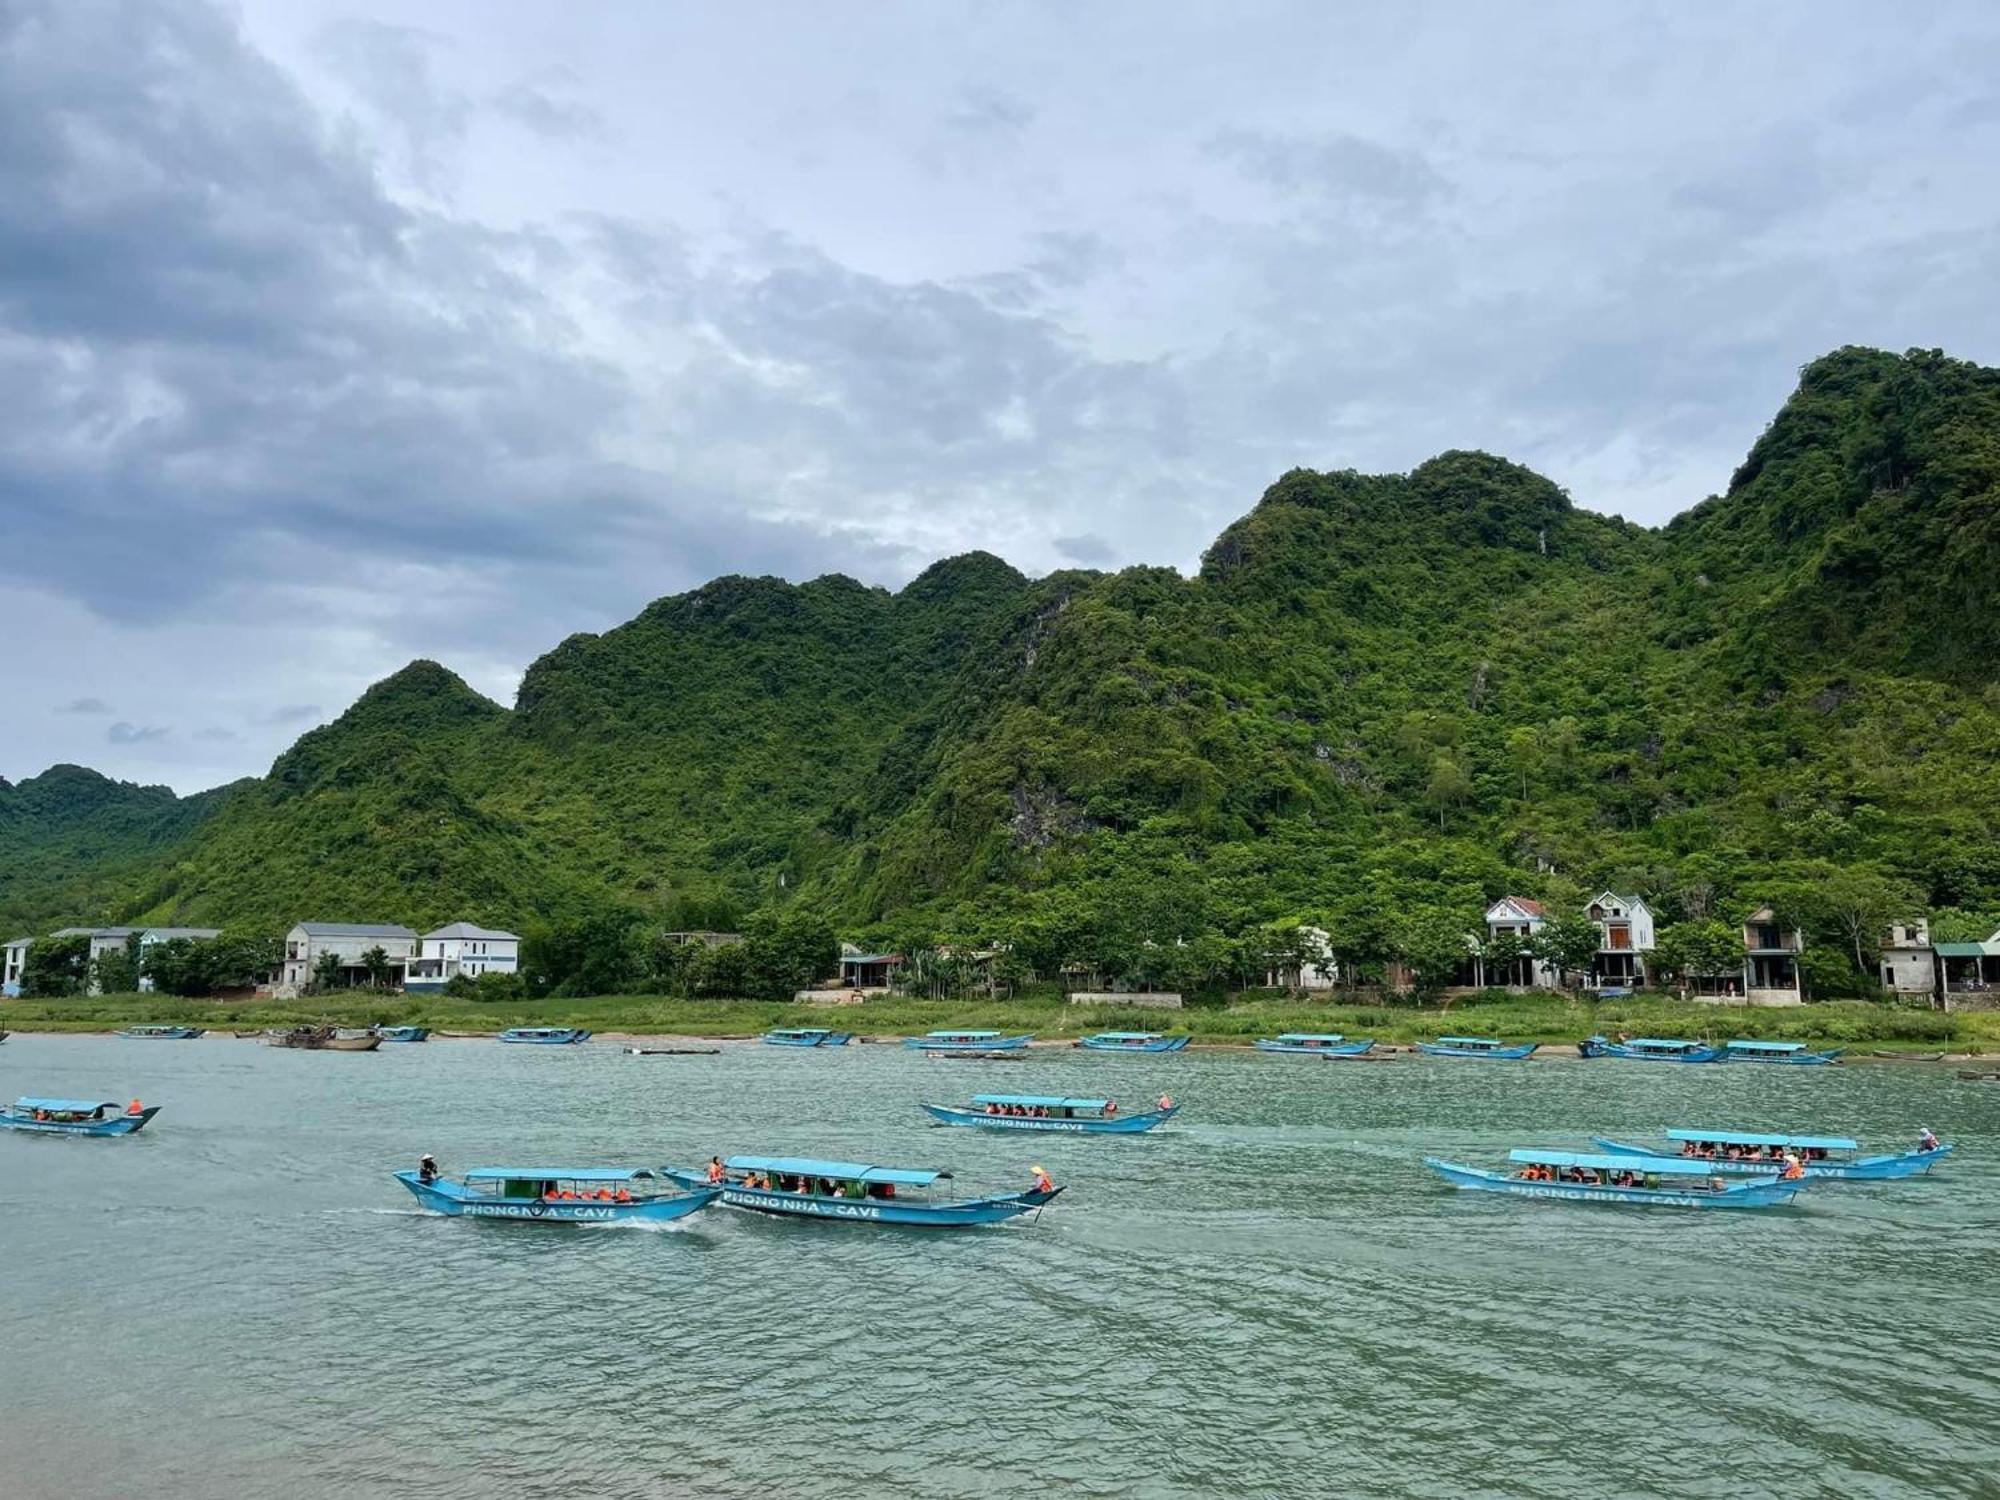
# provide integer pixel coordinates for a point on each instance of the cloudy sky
(337, 334)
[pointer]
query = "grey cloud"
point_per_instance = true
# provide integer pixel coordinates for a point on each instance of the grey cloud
(122, 733)
(389, 70)
(544, 105)
(982, 110)
(1336, 166)
(85, 706)
(1091, 551)
(291, 713)
(217, 735)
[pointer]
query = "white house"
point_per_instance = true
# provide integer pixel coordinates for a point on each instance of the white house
(153, 936)
(464, 949)
(1909, 965)
(13, 959)
(1315, 969)
(104, 941)
(1624, 938)
(1519, 918)
(350, 942)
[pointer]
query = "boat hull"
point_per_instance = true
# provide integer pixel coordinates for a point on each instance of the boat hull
(963, 1214)
(404, 1033)
(1762, 1194)
(1887, 1168)
(1295, 1049)
(985, 1044)
(168, 1034)
(114, 1125)
(1501, 1054)
(449, 1198)
(1594, 1048)
(1163, 1044)
(1116, 1125)
(831, 1039)
(554, 1039)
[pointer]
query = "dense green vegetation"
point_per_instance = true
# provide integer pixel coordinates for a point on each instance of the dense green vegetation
(1382, 702)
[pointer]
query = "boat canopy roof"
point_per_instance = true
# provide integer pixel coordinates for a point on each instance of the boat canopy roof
(1128, 1036)
(1045, 1101)
(1469, 1041)
(1599, 1161)
(1311, 1036)
(962, 1033)
(1664, 1041)
(844, 1171)
(67, 1106)
(800, 1031)
(1762, 1138)
(557, 1174)
(1767, 1046)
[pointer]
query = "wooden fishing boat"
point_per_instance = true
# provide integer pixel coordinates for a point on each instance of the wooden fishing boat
(1828, 1156)
(1314, 1044)
(1050, 1112)
(1970, 1076)
(1133, 1041)
(161, 1033)
(76, 1116)
(1589, 1177)
(1790, 1054)
(968, 1041)
(325, 1039)
(1476, 1046)
(806, 1036)
(675, 1051)
(1651, 1049)
(856, 1193)
(544, 1036)
(403, 1033)
(561, 1195)
(956, 1056)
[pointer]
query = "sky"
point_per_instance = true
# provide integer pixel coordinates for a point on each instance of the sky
(335, 335)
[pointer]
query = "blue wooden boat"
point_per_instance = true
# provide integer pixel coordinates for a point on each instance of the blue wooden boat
(1133, 1041)
(1315, 1044)
(1476, 1046)
(561, 1195)
(1787, 1054)
(403, 1033)
(806, 1036)
(856, 1193)
(544, 1036)
(162, 1033)
(1050, 1112)
(1651, 1049)
(1653, 1181)
(968, 1041)
(76, 1116)
(1829, 1156)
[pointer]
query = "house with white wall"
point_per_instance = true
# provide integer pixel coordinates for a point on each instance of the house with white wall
(1771, 960)
(152, 937)
(461, 948)
(1909, 963)
(1519, 918)
(1314, 968)
(350, 942)
(13, 959)
(1624, 938)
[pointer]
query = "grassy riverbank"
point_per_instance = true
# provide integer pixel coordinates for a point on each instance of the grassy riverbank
(1547, 1018)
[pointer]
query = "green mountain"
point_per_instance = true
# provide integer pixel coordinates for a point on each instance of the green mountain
(1383, 699)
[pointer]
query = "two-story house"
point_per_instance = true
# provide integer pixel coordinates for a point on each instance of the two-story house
(1519, 918)
(350, 943)
(463, 949)
(1624, 938)
(13, 959)
(1909, 965)
(1771, 960)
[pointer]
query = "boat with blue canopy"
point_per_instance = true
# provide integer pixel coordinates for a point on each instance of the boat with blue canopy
(1053, 1113)
(1650, 1049)
(968, 1041)
(161, 1033)
(1133, 1041)
(806, 1036)
(1757, 1152)
(403, 1033)
(848, 1192)
(1792, 1054)
(560, 1195)
(1315, 1044)
(1476, 1046)
(545, 1036)
(1616, 1177)
(76, 1116)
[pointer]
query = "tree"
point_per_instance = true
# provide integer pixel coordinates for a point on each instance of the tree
(1856, 903)
(116, 971)
(595, 954)
(328, 973)
(1501, 955)
(787, 954)
(1433, 944)
(1567, 944)
(1524, 755)
(1704, 949)
(376, 962)
(56, 967)
(1449, 786)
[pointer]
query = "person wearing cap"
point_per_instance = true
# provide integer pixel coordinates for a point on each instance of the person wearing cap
(427, 1168)
(1926, 1139)
(1043, 1184)
(1794, 1168)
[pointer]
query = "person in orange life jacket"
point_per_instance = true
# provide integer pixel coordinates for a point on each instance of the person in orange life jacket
(1043, 1183)
(715, 1170)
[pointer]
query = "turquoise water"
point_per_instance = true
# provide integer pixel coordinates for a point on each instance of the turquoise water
(1270, 1298)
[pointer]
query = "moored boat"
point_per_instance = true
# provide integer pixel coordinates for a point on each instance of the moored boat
(1051, 1112)
(1133, 1041)
(856, 1193)
(325, 1039)
(1315, 1044)
(76, 1116)
(161, 1033)
(403, 1033)
(560, 1195)
(806, 1036)
(1792, 1054)
(968, 1041)
(1761, 1153)
(1650, 1049)
(544, 1036)
(1476, 1046)
(1590, 1177)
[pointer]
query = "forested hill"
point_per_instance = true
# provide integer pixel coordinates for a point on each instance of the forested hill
(1382, 701)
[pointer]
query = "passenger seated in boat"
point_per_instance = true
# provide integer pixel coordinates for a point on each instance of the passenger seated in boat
(134, 1109)
(1794, 1168)
(624, 1195)
(1716, 1184)
(1926, 1139)
(1110, 1108)
(715, 1169)
(427, 1167)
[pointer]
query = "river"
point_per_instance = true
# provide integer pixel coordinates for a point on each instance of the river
(1271, 1297)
